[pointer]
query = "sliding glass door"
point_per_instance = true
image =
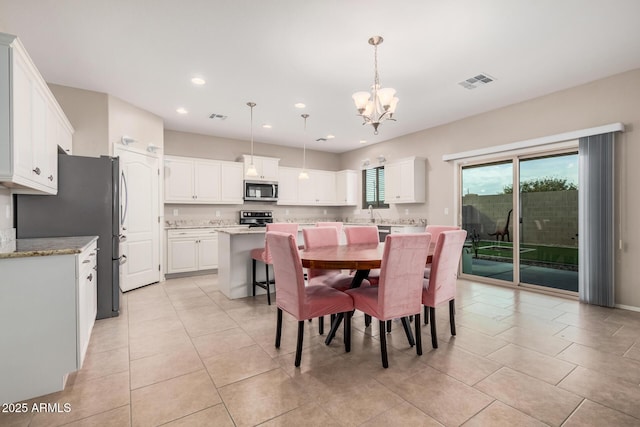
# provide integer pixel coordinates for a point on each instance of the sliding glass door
(526, 237)
(549, 221)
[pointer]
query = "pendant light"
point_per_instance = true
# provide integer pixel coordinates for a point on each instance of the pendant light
(303, 173)
(252, 171)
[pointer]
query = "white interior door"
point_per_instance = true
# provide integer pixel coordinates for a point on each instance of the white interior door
(139, 216)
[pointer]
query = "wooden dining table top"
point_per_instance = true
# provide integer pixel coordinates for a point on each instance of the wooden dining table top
(355, 257)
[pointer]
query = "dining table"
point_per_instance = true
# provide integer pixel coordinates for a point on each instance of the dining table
(361, 257)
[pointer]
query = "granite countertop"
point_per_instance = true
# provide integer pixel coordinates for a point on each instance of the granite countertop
(49, 246)
(217, 227)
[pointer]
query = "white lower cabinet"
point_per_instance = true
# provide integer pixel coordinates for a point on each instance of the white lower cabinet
(48, 309)
(192, 249)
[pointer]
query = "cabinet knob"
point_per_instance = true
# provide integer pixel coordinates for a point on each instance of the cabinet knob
(50, 177)
(37, 170)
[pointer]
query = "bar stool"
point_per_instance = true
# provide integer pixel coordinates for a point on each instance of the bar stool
(263, 255)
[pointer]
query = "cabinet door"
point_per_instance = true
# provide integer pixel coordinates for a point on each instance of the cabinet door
(268, 169)
(179, 181)
(346, 188)
(288, 186)
(325, 185)
(307, 189)
(207, 182)
(39, 136)
(231, 187)
(182, 255)
(22, 130)
(208, 252)
(392, 183)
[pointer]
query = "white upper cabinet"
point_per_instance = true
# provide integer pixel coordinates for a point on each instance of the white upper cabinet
(32, 124)
(405, 181)
(190, 180)
(323, 188)
(347, 188)
(267, 168)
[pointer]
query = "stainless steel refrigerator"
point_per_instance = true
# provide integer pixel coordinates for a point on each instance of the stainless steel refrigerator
(87, 204)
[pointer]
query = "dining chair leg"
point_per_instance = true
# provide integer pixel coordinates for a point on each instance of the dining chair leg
(407, 331)
(321, 325)
(383, 345)
(426, 315)
(278, 328)
(266, 269)
(299, 344)
(253, 275)
(388, 326)
(334, 327)
(347, 331)
(367, 320)
(418, 336)
(434, 337)
(452, 316)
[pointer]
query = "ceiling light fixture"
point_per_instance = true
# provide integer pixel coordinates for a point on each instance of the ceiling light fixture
(198, 81)
(330, 136)
(181, 110)
(380, 104)
(299, 105)
(252, 171)
(267, 126)
(303, 172)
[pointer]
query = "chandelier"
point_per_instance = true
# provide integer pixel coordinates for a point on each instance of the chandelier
(380, 104)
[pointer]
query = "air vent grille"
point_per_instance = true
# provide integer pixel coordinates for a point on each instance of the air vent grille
(216, 116)
(476, 81)
(321, 139)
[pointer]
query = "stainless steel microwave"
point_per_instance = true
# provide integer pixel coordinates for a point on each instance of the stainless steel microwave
(263, 191)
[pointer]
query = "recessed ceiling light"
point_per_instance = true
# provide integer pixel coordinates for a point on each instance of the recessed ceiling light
(198, 81)
(363, 141)
(299, 105)
(330, 136)
(266, 126)
(181, 110)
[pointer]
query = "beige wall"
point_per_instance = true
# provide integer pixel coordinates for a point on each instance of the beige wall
(211, 147)
(610, 100)
(127, 119)
(88, 113)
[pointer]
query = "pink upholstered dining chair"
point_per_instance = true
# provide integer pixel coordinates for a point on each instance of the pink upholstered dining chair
(300, 301)
(398, 292)
(435, 231)
(264, 255)
(441, 285)
(362, 235)
(338, 225)
(320, 237)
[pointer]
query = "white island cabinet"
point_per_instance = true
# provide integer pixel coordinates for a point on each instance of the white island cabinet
(32, 124)
(48, 308)
(192, 249)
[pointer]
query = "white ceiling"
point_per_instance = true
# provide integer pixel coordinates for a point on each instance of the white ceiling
(279, 52)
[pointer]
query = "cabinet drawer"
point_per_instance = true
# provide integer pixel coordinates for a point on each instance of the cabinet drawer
(191, 232)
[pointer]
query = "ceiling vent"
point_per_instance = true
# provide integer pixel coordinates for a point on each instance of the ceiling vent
(321, 139)
(476, 81)
(217, 116)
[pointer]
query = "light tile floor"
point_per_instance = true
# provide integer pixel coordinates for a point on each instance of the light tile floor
(182, 354)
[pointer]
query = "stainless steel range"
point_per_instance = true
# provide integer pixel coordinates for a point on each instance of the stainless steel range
(256, 218)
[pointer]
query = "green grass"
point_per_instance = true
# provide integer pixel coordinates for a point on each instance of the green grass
(532, 253)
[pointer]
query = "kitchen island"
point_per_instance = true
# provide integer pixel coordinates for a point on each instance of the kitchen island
(48, 308)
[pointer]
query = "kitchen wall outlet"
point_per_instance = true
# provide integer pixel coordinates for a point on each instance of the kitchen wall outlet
(286, 211)
(7, 211)
(175, 212)
(217, 214)
(446, 211)
(406, 211)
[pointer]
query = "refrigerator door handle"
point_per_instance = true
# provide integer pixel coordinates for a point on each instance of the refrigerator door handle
(123, 214)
